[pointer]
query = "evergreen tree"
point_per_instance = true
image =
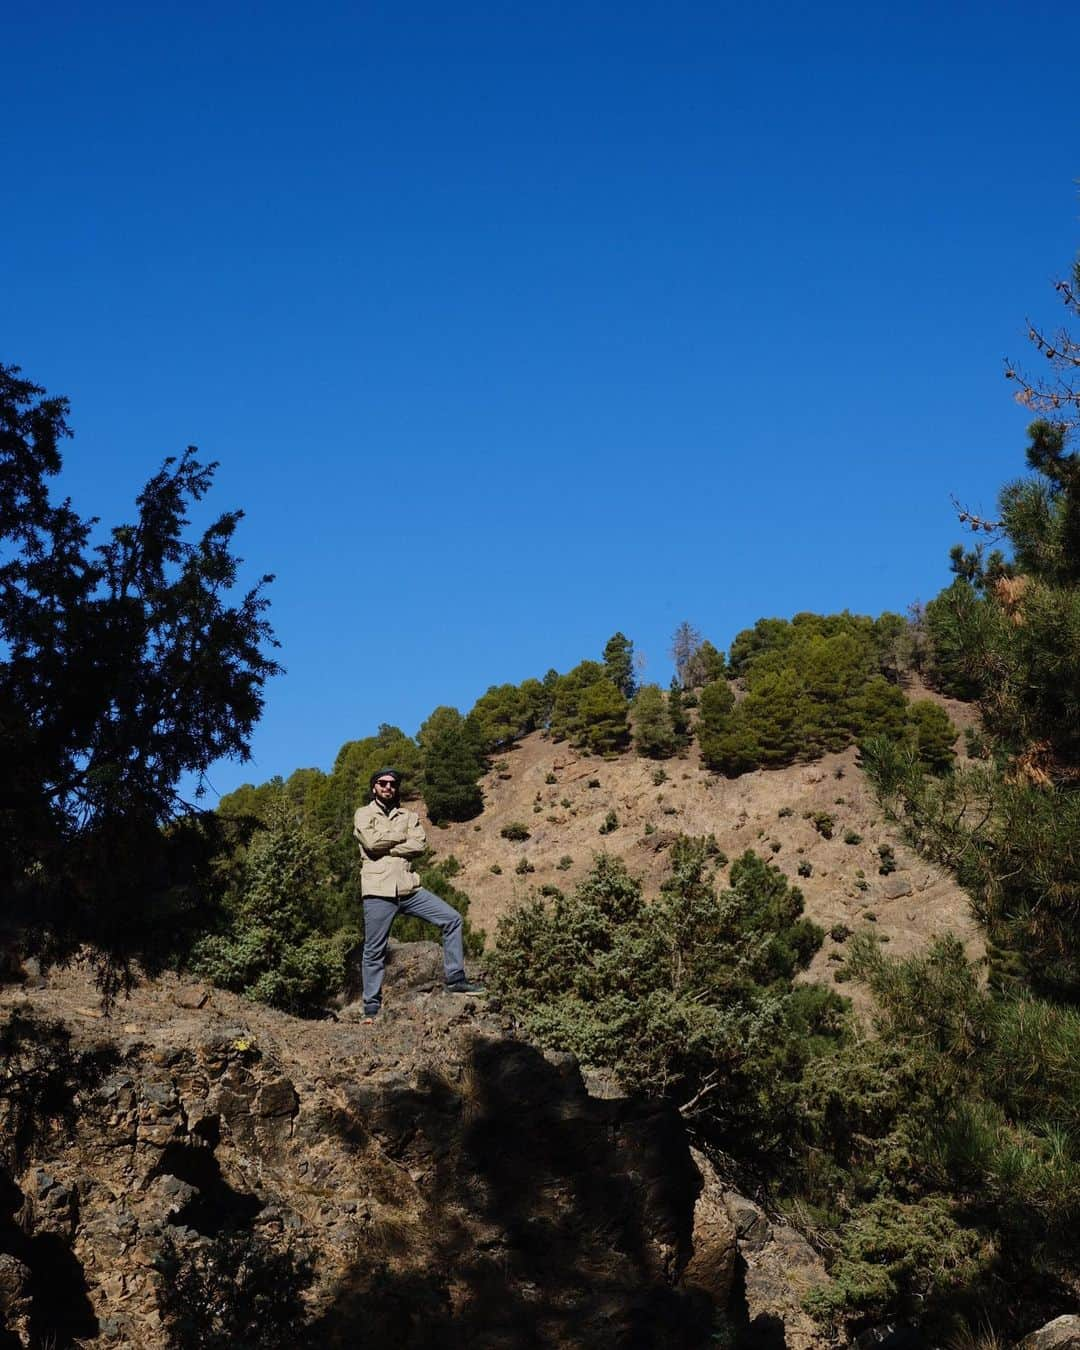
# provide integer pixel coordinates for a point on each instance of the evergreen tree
(1011, 628)
(735, 749)
(949, 618)
(567, 722)
(537, 697)
(680, 721)
(895, 641)
(714, 723)
(691, 991)
(502, 716)
(772, 714)
(933, 736)
(877, 709)
(619, 664)
(274, 950)
(831, 670)
(766, 635)
(453, 764)
(603, 714)
(707, 665)
(654, 736)
(126, 670)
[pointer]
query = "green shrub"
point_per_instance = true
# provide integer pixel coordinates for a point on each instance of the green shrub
(275, 949)
(610, 824)
(852, 837)
(565, 863)
(714, 852)
(805, 869)
(524, 867)
(496, 869)
(893, 1257)
(933, 735)
(822, 821)
(550, 778)
(515, 831)
(691, 991)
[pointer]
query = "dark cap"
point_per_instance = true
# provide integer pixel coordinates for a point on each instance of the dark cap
(385, 773)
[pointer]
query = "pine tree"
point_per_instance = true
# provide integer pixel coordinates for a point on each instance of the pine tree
(619, 664)
(680, 721)
(502, 716)
(773, 714)
(933, 735)
(714, 722)
(654, 736)
(126, 670)
(603, 714)
(707, 665)
(567, 722)
(453, 763)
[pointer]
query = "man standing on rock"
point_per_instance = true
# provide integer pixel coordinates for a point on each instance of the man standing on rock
(390, 837)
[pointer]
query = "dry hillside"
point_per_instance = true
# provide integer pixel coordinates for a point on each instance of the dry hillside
(563, 798)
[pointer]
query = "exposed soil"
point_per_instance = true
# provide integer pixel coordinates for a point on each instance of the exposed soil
(766, 811)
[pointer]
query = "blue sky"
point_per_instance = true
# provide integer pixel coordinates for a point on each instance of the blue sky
(513, 326)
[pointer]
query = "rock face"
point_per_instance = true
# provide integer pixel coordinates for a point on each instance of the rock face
(1063, 1333)
(430, 1177)
(777, 1267)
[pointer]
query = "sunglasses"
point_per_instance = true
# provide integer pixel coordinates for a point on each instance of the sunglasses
(386, 782)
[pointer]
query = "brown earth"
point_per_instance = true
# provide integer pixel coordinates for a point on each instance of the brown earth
(907, 908)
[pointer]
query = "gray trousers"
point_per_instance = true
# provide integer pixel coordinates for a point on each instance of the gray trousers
(380, 913)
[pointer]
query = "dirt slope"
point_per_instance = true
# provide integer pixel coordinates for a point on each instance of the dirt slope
(563, 798)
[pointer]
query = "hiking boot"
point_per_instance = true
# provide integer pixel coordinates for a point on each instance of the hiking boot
(464, 986)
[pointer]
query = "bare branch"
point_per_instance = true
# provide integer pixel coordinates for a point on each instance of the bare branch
(711, 1082)
(974, 522)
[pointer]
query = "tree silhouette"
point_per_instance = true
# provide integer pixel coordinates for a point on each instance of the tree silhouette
(125, 672)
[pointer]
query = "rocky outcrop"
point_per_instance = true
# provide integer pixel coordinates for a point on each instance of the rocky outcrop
(433, 1176)
(1063, 1333)
(775, 1267)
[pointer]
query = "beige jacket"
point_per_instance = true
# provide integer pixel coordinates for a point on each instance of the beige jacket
(387, 841)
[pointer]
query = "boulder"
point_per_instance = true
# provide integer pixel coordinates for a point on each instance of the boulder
(1063, 1333)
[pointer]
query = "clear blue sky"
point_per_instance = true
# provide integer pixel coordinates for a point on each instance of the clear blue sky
(512, 326)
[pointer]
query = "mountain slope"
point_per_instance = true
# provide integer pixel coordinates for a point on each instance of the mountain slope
(769, 811)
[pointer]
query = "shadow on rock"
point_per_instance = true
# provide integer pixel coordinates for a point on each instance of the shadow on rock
(554, 1219)
(40, 1075)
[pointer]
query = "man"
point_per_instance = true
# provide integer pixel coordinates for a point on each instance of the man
(389, 838)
